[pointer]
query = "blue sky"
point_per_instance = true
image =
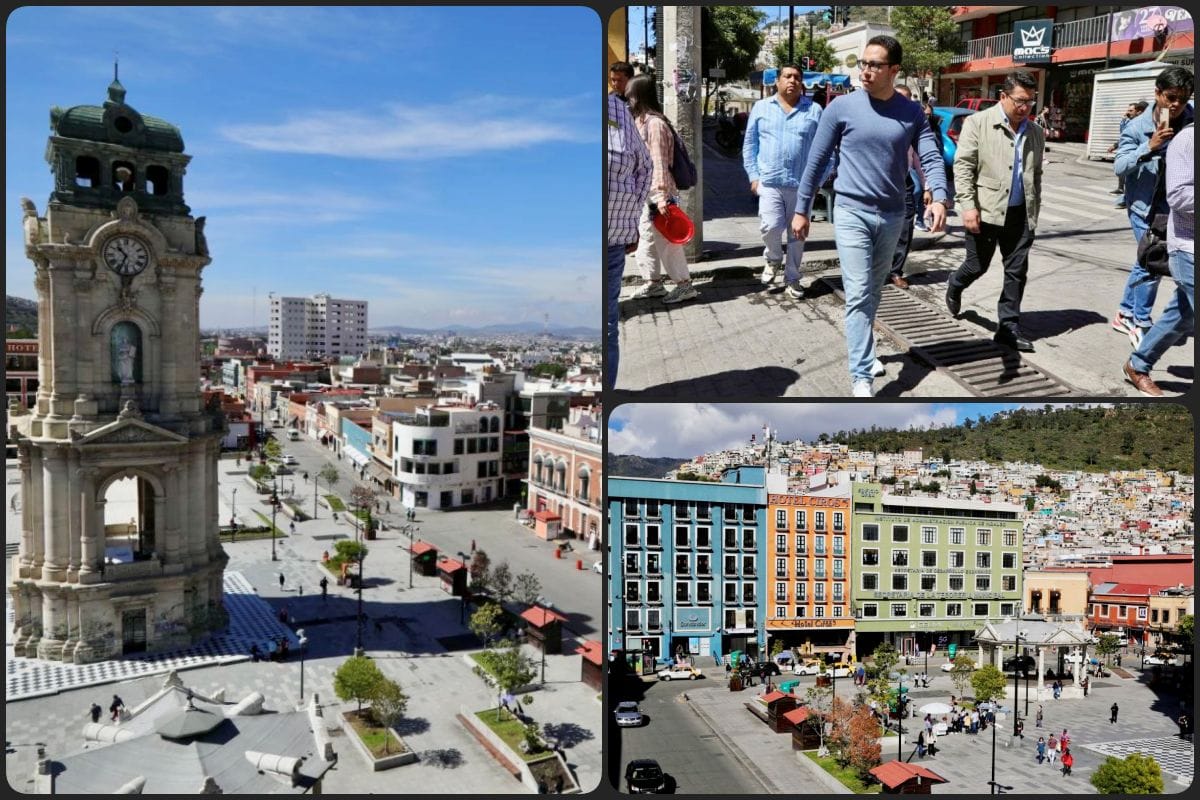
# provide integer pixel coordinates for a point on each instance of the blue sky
(442, 163)
(686, 430)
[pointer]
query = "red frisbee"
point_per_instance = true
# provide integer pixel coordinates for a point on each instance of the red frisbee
(674, 225)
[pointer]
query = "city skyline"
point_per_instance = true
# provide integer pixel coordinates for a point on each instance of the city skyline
(346, 142)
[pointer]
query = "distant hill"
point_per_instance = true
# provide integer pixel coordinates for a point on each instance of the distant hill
(20, 312)
(638, 467)
(523, 328)
(1124, 436)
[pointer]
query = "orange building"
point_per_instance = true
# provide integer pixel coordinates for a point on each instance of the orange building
(808, 572)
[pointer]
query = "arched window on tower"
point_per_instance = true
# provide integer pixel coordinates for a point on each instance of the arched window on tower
(157, 179)
(87, 171)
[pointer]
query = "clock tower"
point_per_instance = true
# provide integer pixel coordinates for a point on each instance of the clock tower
(119, 544)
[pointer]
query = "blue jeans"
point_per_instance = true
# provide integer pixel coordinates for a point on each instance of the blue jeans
(1178, 319)
(1140, 289)
(918, 195)
(866, 243)
(612, 282)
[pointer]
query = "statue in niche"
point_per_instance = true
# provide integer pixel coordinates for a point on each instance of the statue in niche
(125, 345)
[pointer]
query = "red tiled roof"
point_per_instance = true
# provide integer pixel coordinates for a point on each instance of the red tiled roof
(419, 547)
(545, 516)
(798, 715)
(771, 697)
(450, 565)
(591, 651)
(541, 617)
(893, 773)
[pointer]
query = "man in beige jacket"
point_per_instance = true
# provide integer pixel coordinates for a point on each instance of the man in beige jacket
(998, 171)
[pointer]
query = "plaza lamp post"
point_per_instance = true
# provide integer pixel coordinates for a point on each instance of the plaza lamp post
(358, 651)
(1016, 681)
(462, 610)
(898, 677)
(549, 607)
(274, 510)
(316, 493)
(303, 647)
(233, 516)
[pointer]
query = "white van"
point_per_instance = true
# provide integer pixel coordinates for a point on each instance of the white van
(293, 434)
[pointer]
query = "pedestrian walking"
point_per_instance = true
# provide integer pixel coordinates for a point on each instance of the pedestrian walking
(1068, 761)
(1178, 319)
(974, 720)
(779, 134)
(292, 527)
(115, 707)
(1039, 717)
(96, 711)
(1113, 710)
(1140, 160)
(1064, 740)
(655, 254)
(281, 581)
(921, 744)
(1084, 684)
(472, 546)
(1182, 722)
(1019, 729)
(1134, 110)
(916, 197)
(324, 587)
(998, 177)
(1041, 749)
(1051, 748)
(872, 131)
(300, 589)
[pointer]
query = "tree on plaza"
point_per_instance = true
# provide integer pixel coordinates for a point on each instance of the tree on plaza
(1108, 646)
(988, 683)
(329, 475)
(822, 52)
(820, 701)
(272, 448)
(388, 704)
(479, 570)
(527, 588)
(1185, 630)
(487, 622)
(357, 679)
(730, 40)
(964, 667)
(862, 752)
(501, 582)
(1134, 774)
(363, 497)
(511, 669)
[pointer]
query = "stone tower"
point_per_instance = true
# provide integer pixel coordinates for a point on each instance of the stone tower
(119, 424)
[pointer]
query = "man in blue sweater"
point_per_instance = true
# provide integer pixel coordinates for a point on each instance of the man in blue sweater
(872, 131)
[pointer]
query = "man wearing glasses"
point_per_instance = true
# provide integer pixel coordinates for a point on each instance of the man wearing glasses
(998, 172)
(872, 131)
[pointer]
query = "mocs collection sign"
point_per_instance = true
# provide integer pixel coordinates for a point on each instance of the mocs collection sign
(1033, 41)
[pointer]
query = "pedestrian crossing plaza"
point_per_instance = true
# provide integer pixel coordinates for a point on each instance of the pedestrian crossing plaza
(1174, 755)
(251, 621)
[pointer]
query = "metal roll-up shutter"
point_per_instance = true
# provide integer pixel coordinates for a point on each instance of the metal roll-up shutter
(1112, 93)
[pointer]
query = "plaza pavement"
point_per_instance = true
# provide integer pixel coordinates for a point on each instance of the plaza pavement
(741, 340)
(1145, 724)
(416, 642)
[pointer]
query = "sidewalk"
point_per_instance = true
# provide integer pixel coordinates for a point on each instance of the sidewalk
(740, 339)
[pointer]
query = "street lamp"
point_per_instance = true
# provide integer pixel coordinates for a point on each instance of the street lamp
(898, 677)
(233, 516)
(358, 651)
(274, 510)
(1016, 680)
(303, 647)
(462, 610)
(549, 607)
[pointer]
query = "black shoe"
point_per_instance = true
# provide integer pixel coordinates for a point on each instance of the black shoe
(1013, 339)
(953, 300)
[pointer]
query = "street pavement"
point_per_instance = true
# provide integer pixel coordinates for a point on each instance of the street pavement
(1145, 724)
(741, 340)
(416, 635)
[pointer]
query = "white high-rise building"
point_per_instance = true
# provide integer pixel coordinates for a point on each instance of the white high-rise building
(316, 327)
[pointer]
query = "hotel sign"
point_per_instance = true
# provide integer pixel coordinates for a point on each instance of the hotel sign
(801, 500)
(826, 622)
(693, 620)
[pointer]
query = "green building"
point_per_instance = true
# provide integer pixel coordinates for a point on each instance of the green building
(930, 571)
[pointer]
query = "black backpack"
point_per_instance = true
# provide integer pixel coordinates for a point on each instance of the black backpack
(683, 171)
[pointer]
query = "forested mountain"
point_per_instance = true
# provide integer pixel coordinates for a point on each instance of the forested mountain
(638, 467)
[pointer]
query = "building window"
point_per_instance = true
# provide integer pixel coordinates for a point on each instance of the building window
(1010, 538)
(899, 582)
(653, 509)
(801, 543)
(749, 539)
(633, 564)
(899, 533)
(653, 563)
(953, 609)
(780, 592)
(1009, 560)
(681, 536)
(983, 560)
(928, 534)
(899, 609)
(839, 545)
(819, 520)
(703, 592)
(682, 565)
(801, 568)
(780, 612)
(703, 538)
(839, 521)
(781, 566)
(928, 583)
(837, 611)
(748, 565)
(801, 612)
(819, 570)
(631, 591)
(870, 581)
(958, 536)
(870, 533)
(1154, 615)
(703, 564)
(748, 598)
(781, 519)
(925, 610)
(730, 593)
(653, 591)
(682, 592)
(1006, 609)
(983, 537)
(870, 557)
(1008, 583)
(731, 538)
(1122, 612)
(731, 565)
(654, 619)
(956, 583)
(819, 611)
(870, 610)
(1104, 610)
(981, 609)
(983, 583)
(958, 559)
(929, 558)
(633, 619)
(631, 535)
(801, 591)
(839, 568)
(653, 537)
(819, 544)
(899, 558)
(839, 593)
(781, 543)
(801, 520)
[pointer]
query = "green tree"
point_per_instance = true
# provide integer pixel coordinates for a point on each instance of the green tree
(512, 669)
(347, 550)
(357, 679)
(869, 14)
(1185, 630)
(1108, 646)
(988, 682)
(501, 582)
(272, 448)
(821, 50)
(964, 667)
(1134, 774)
(487, 622)
(479, 570)
(556, 371)
(730, 40)
(330, 476)
(527, 588)
(388, 704)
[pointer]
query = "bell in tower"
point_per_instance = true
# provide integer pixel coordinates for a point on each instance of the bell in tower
(119, 546)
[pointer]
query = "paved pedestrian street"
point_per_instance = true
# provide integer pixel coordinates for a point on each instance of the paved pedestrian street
(1176, 756)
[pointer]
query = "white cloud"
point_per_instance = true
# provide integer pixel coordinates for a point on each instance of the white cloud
(677, 429)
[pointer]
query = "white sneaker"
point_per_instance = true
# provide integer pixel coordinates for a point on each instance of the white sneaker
(684, 291)
(651, 289)
(878, 369)
(770, 272)
(1136, 334)
(862, 388)
(795, 290)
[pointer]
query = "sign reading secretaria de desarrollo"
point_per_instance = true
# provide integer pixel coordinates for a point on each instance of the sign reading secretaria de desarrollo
(1033, 40)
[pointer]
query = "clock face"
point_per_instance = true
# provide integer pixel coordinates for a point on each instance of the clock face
(126, 255)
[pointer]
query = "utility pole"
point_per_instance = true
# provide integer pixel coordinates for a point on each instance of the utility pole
(791, 34)
(678, 55)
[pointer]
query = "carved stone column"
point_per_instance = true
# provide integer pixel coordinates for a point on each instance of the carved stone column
(29, 538)
(168, 553)
(54, 514)
(74, 531)
(91, 527)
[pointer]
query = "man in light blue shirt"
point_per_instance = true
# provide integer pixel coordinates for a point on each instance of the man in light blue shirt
(778, 136)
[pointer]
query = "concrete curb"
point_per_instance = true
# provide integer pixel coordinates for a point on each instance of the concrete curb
(746, 761)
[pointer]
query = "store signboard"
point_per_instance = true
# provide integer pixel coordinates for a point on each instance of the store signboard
(1138, 23)
(1033, 41)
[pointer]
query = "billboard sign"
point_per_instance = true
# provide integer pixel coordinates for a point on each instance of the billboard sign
(1139, 23)
(1033, 41)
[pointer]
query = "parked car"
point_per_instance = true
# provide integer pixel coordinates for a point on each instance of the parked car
(977, 103)
(950, 120)
(949, 666)
(1073, 657)
(761, 668)
(289, 459)
(809, 667)
(644, 776)
(628, 715)
(1026, 665)
(678, 672)
(1159, 660)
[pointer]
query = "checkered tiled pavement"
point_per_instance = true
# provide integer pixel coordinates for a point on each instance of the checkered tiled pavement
(251, 619)
(1173, 754)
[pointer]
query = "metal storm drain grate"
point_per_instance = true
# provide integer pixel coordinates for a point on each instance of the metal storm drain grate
(979, 365)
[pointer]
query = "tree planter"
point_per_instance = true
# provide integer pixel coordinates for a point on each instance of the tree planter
(544, 767)
(377, 762)
(491, 681)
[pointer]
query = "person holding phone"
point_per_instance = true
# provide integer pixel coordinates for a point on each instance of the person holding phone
(1140, 155)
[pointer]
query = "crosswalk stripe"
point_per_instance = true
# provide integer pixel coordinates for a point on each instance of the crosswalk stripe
(1088, 194)
(1046, 216)
(1076, 207)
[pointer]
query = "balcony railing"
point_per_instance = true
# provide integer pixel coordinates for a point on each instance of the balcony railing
(1077, 33)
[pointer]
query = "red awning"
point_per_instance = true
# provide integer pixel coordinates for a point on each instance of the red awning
(591, 651)
(540, 617)
(419, 548)
(450, 565)
(798, 715)
(895, 773)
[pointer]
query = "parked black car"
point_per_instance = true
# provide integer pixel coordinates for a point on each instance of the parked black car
(1026, 665)
(644, 776)
(763, 668)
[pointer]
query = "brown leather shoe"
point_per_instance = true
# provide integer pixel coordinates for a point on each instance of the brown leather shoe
(898, 281)
(1141, 381)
